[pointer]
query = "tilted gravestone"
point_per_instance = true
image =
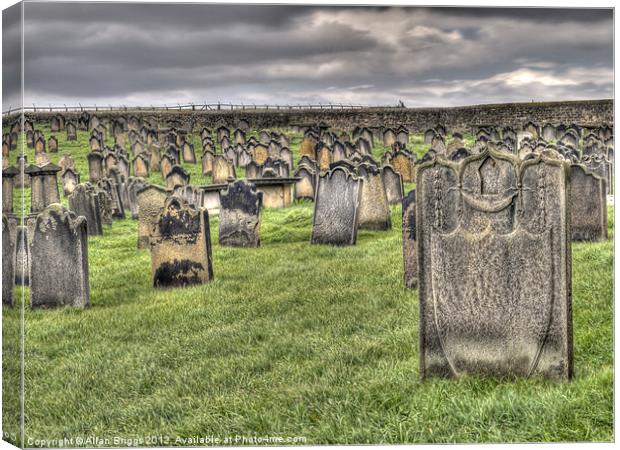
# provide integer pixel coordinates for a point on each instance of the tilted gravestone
(410, 257)
(494, 267)
(151, 200)
(181, 245)
(336, 208)
(134, 185)
(588, 205)
(393, 184)
(240, 206)
(374, 211)
(8, 264)
(85, 201)
(58, 259)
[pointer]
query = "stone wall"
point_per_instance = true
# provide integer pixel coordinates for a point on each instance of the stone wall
(586, 113)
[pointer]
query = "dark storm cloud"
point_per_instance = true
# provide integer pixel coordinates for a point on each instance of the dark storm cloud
(110, 53)
(11, 57)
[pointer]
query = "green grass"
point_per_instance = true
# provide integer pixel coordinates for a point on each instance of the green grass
(290, 339)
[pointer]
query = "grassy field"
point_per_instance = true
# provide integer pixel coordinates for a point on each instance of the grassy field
(290, 340)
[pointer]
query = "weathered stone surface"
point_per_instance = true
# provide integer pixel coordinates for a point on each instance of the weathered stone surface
(44, 186)
(336, 208)
(70, 179)
(151, 200)
(307, 147)
(85, 201)
(180, 244)
(494, 267)
(58, 259)
(189, 156)
(410, 257)
(260, 154)
(111, 187)
(134, 185)
(8, 264)
(8, 183)
(141, 165)
(207, 162)
(52, 144)
(304, 188)
(177, 176)
(223, 170)
(95, 166)
(393, 184)
(403, 164)
(240, 205)
(588, 205)
(374, 211)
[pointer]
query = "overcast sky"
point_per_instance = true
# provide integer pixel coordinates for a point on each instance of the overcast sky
(156, 53)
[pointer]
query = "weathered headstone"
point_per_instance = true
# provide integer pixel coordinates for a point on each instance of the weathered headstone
(141, 165)
(85, 201)
(393, 184)
(177, 176)
(52, 144)
(588, 205)
(223, 170)
(8, 264)
(304, 187)
(374, 211)
(239, 224)
(336, 207)
(44, 186)
(151, 200)
(58, 259)
(494, 267)
(410, 257)
(181, 246)
(70, 179)
(8, 183)
(95, 166)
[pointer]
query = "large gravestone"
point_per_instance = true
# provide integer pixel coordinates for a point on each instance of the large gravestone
(410, 257)
(494, 267)
(8, 264)
(588, 205)
(240, 206)
(44, 186)
(85, 201)
(58, 259)
(181, 245)
(374, 211)
(336, 208)
(151, 200)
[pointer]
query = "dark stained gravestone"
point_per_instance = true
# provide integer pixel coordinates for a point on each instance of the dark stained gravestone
(111, 187)
(429, 135)
(181, 245)
(85, 201)
(151, 200)
(177, 176)
(374, 211)
(58, 259)
(8, 264)
(336, 208)
(52, 144)
(588, 205)
(393, 184)
(494, 267)
(239, 224)
(410, 257)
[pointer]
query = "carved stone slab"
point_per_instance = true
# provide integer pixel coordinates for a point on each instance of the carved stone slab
(240, 206)
(336, 208)
(494, 266)
(588, 205)
(374, 211)
(410, 257)
(181, 245)
(151, 200)
(58, 259)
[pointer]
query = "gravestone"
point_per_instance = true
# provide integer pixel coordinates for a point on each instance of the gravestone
(95, 166)
(260, 154)
(207, 162)
(389, 137)
(70, 179)
(180, 244)
(8, 264)
(588, 205)
(403, 164)
(8, 183)
(307, 147)
(85, 201)
(239, 224)
(71, 132)
(151, 200)
(223, 170)
(494, 267)
(177, 176)
(22, 256)
(393, 184)
(44, 186)
(52, 144)
(166, 164)
(410, 257)
(134, 185)
(110, 186)
(323, 157)
(304, 187)
(374, 210)
(336, 208)
(141, 165)
(58, 259)
(189, 156)
(39, 146)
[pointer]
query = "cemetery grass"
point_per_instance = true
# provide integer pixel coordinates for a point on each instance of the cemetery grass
(291, 340)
